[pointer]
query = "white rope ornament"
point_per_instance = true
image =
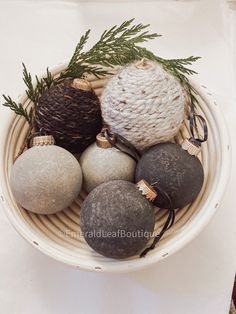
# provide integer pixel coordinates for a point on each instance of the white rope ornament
(144, 104)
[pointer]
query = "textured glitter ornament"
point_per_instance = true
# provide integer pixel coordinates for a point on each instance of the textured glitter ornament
(70, 111)
(101, 162)
(46, 178)
(144, 103)
(171, 168)
(117, 220)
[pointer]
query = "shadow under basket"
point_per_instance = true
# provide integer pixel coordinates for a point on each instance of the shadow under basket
(59, 235)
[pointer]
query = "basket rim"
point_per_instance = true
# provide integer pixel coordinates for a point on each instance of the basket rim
(192, 228)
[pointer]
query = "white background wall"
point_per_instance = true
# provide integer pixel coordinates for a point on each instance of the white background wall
(199, 278)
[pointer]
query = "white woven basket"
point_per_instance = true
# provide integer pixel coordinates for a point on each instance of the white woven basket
(58, 235)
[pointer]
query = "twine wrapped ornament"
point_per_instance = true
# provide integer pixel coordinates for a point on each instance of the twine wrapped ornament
(144, 103)
(70, 112)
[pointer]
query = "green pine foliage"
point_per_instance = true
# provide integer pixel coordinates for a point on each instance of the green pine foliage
(118, 46)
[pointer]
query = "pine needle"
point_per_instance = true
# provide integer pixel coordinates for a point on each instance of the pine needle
(117, 46)
(18, 109)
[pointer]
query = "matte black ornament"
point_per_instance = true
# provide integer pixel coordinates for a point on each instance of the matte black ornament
(172, 169)
(70, 111)
(117, 220)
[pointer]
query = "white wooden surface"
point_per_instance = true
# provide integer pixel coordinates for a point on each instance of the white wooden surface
(199, 278)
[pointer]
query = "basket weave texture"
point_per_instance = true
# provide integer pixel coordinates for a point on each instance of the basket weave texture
(59, 235)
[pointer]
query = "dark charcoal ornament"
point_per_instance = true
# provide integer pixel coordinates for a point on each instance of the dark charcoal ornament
(169, 167)
(70, 111)
(117, 220)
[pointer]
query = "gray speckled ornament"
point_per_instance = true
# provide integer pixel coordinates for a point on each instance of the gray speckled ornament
(46, 178)
(101, 162)
(174, 170)
(116, 219)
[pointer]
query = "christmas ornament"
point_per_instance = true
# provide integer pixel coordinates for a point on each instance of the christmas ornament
(117, 45)
(174, 169)
(144, 103)
(102, 162)
(46, 178)
(117, 220)
(70, 111)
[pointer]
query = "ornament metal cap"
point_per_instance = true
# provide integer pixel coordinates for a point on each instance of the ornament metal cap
(143, 64)
(43, 140)
(102, 142)
(191, 147)
(81, 84)
(147, 190)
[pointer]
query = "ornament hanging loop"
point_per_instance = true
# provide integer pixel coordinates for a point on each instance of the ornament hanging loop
(109, 136)
(121, 143)
(102, 141)
(169, 221)
(194, 128)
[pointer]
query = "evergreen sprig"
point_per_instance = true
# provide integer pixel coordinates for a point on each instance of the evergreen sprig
(18, 109)
(116, 47)
(33, 92)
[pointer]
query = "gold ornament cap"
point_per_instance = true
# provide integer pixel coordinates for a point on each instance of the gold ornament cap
(190, 147)
(102, 142)
(43, 140)
(147, 190)
(143, 64)
(81, 84)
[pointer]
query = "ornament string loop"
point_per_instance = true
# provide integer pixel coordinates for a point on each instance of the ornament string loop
(193, 119)
(121, 143)
(168, 224)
